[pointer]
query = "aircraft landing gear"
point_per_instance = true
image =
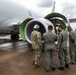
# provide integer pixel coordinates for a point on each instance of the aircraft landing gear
(15, 37)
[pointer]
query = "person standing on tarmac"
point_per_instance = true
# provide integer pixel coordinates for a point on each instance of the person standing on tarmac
(36, 45)
(72, 45)
(50, 48)
(62, 48)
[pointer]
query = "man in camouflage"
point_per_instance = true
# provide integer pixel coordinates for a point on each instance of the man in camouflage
(36, 45)
(72, 45)
(50, 48)
(62, 48)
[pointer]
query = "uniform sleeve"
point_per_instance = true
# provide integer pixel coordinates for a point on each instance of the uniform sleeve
(59, 39)
(56, 37)
(39, 37)
(75, 36)
(39, 41)
(72, 35)
(43, 37)
(31, 37)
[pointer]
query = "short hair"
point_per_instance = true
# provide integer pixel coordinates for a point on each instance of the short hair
(50, 27)
(69, 27)
(60, 26)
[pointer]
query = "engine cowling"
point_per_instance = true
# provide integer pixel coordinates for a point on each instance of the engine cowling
(43, 23)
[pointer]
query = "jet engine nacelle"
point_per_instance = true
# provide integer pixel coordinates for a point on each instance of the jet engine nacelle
(43, 23)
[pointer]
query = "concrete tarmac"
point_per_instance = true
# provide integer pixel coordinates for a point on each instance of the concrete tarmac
(16, 59)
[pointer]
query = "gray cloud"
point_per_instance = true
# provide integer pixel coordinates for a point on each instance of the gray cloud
(69, 10)
(45, 3)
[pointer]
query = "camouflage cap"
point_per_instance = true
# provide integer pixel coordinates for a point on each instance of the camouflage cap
(36, 26)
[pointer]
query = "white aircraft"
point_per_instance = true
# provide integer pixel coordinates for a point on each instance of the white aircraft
(15, 19)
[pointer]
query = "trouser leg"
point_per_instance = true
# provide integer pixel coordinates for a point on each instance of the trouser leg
(75, 52)
(66, 56)
(75, 55)
(33, 55)
(53, 58)
(61, 57)
(37, 56)
(47, 60)
(72, 55)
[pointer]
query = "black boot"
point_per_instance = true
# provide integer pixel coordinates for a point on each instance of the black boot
(67, 65)
(53, 68)
(61, 68)
(33, 62)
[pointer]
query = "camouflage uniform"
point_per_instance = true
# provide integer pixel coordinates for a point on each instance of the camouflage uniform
(72, 46)
(36, 45)
(63, 53)
(50, 49)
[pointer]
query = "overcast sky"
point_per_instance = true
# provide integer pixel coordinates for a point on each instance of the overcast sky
(44, 7)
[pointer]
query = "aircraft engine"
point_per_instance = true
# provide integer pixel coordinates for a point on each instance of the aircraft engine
(43, 23)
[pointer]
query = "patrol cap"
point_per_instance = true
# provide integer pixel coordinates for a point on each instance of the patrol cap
(36, 26)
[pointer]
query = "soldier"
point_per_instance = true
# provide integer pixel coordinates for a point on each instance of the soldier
(72, 45)
(50, 48)
(62, 48)
(36, 45)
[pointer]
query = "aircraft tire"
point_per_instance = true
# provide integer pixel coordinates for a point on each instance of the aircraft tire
(14, 37)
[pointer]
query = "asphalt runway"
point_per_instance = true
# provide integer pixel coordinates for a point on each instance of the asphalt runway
(16, 59)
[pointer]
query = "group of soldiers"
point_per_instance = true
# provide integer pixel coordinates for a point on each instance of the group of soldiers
(51, 49)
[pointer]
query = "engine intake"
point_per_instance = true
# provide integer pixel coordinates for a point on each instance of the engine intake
(43, 23)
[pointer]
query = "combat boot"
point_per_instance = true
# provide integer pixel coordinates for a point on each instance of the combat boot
(61, 68)
(67, 65)
(53, 68)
